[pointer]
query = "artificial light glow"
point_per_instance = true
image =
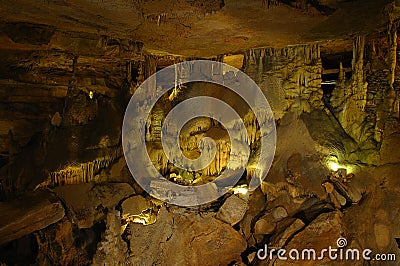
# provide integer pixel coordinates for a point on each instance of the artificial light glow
(146, 217)
(333, 164)
(91, 94)
(140, 220)
(240, 190)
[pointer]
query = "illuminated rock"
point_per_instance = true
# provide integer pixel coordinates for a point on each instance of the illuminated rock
(134, 206)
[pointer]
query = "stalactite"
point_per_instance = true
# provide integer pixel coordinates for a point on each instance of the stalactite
(358, 65)
(392, 55)
(290, 77)
(342, 74)
(83, 172)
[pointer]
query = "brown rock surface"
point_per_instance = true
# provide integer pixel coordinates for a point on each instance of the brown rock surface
(321, 233)
(32, 212)
(88, 202)
(183, 239)
(265, 225)
(233, 210)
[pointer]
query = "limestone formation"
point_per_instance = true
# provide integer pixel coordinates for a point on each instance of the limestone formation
(233, 210)
(111, 250)
(329, 69)
(88, 203)
(289, 77)
(21, 217)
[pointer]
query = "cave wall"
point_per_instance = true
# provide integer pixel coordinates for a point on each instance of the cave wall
(70, 94)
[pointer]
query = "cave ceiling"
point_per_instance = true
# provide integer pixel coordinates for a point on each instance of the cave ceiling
(197, 28)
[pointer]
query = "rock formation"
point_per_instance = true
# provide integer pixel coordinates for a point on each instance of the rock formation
(329, 69)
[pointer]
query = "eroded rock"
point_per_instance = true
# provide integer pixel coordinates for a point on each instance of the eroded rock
(30, 213)
(134, 206)
(195, 237)
(112, 250)
(288, 228)
(233, 210)
(265, 225)
(88, 202)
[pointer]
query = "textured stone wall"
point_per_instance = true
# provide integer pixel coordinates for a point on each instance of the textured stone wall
(290, 77)
(62, 107)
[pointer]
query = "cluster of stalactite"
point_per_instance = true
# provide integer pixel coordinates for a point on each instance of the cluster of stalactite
(83, 172)
(154, 125)
(175, 11)
(189, 143)
(269, 3)
(290, 77)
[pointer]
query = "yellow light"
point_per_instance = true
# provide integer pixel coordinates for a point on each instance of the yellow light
(123, 227)
(91, 94)
(240, 190)
(334, 166)
(140, 220)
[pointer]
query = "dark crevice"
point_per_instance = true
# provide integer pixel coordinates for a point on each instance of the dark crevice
(28, 33)
(22, 251)
(88, 238)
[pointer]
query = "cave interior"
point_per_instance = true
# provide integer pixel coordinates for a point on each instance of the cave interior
(69, 68)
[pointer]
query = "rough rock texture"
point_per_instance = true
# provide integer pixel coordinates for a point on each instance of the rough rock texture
(233, 210)
(64, 243)
(111, 250)
(329, 68)
(321, 233)
(68, 97)
(25, 215)
(289, 77)
(257, 204)
(194, 236)
(134, 206)
(88, 203)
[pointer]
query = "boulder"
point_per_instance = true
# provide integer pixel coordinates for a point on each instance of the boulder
(134, 205)
(287, 229)
(233, 210)
(279, 213)
(184, 239)
(321, 233)
(31, 212)
(265, 225)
